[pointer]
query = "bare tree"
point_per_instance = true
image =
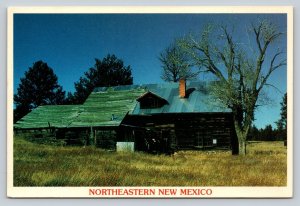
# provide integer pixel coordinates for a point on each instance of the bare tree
(241, 75)
(175, 65)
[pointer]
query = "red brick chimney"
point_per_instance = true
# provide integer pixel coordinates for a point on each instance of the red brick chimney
(182, 88)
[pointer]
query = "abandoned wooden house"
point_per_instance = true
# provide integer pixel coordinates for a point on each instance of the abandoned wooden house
(151, 117)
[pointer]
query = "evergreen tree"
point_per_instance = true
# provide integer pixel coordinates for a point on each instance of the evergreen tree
(110, 71)
(38, 87)
(282, 122)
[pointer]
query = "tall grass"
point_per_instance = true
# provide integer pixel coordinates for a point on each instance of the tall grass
(44, 165)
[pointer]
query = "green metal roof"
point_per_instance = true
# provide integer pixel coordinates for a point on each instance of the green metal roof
(107, 106)
(55, 115)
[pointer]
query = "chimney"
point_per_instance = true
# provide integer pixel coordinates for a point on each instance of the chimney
(182, 88)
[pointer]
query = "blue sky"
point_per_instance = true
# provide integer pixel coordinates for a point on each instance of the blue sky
(69, 43)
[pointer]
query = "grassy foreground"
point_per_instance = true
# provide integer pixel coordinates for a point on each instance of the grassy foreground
(44, 165)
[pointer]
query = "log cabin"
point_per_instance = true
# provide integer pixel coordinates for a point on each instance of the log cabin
(157, 118)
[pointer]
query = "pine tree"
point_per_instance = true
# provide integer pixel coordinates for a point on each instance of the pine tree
(38, 87)
(282, 122)
(110, 71)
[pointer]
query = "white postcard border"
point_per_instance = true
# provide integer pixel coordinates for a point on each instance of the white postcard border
(85, 192)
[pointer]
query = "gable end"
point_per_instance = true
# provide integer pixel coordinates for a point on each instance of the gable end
(150, 100)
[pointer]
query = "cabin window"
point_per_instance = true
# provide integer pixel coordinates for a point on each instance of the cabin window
(214, 141)
(150, 102)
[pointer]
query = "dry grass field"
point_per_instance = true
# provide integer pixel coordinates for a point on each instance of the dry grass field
(44, 165)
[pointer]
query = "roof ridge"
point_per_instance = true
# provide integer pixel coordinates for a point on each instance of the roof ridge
(143, 86)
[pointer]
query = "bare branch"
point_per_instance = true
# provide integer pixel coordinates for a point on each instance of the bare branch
(203, 59)
(274, 87)
(265, 34)
(272, 68)
(257, 35)
(176, 64)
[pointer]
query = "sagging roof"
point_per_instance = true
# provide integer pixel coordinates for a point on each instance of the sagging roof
(107, 106)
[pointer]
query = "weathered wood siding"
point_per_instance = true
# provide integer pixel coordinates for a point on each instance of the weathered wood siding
(182, 130)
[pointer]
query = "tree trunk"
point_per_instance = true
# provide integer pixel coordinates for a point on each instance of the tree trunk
(242, 147)
(241, 135)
